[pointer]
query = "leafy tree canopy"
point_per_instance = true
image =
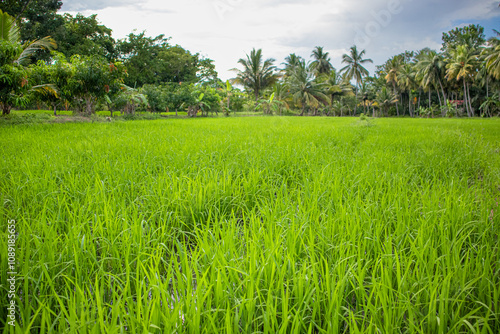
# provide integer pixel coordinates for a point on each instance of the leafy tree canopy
(152, 60)
(471, 35)
(38, 17)
(85, 36)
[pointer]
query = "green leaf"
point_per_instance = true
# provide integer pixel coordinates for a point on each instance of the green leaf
(8, 30)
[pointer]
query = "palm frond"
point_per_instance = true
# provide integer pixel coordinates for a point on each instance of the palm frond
(30, 48)
(46, 89)
(9, 31)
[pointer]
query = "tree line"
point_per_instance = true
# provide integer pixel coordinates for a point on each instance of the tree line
(461, 79)
(82, 68)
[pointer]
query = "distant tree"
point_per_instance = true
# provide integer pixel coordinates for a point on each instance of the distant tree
(175, 64)
(14, 56)
(207, 75)
(152, 60)
(393, 68)
(139, 54)
(38, 17)
(59, 74)
(305, 89)
(354, 68)
(462, 66)
(85, 36)
(385, 99)
(407, 83)
(492, 58)
(431, 69)
(281, 96)
(291, 62)
(336, 85)
(257, 74)
(321, 63)
(471, 35)
(93, 80)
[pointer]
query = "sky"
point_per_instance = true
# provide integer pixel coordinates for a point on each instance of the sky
(227, 30)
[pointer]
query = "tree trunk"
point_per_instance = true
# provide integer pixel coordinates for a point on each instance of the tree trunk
(55, 109)
(487, 112)
(397, 108)
(455, 97)
(439, 97)
(6, 109)
(465, 99)
(487, 87)
(442, 90)
(469, 99)
(356, 102)
(419, 93)
(89, 106)
(402, 105)
(409, 105)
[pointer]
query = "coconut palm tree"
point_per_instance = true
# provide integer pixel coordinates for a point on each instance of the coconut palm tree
(490, 104)
(321, 62)
(462, 65)
(305, 89)
(431, 69)
(407, 82)
(492, 57)
(354, 68)
(384, 99)
(336, 85)
(258, 74)
(281, 93)
(393, 68)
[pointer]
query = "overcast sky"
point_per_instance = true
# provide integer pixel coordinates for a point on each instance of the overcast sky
(226, 30)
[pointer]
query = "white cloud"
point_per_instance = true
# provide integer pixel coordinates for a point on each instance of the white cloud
(225, 30)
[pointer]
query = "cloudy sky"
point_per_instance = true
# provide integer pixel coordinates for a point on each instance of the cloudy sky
(226, 30)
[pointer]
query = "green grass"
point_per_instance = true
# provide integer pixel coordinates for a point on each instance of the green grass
(257, 224)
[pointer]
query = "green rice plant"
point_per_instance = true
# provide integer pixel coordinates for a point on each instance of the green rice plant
(258, 224)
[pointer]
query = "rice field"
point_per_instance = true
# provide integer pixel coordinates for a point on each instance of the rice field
(253, 225)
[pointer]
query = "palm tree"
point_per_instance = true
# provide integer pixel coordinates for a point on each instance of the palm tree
(366, 92)
(354, 68)
(281, 92)
(305, 89)
(490, 103)
(321, 61)
(257, 74)
(492, 57)
(462, 65)
(430, 68)
(407, 83)
(291, 62)
(392, 68)
(385, 98)
(336, 85)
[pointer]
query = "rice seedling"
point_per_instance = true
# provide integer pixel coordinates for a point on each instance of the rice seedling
(245, 225)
